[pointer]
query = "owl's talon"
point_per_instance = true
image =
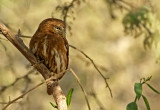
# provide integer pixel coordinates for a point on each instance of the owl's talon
(52, 73)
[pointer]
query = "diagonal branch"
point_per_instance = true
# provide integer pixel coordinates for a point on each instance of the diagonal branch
(58, 95)
(93, 63)
(105, 79)
(85, 94)
(7, 102)
(21, 96)
(3, 88)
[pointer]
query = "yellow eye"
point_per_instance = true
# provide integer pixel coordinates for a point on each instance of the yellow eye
(57, 28)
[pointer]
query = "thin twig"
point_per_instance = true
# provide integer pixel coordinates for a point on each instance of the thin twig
(17, 79)
(57, 92)
(66, 10)
(85, 94)
(105, 79)
(21, 96)
(7, 102)
(123, 6)
(87, 62)
(26, 36)
(95, 66)
(19, 34)
(126, 3)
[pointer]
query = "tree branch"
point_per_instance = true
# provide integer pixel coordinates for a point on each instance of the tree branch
(21, 96)
(85, 94)
(46, 81)
(58, 95)
(105, 79)
(3, 88)
(90, 59)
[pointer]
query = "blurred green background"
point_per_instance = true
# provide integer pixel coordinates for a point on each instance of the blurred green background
(120, 57)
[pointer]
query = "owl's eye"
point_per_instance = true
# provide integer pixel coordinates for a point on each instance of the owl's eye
(57, 28)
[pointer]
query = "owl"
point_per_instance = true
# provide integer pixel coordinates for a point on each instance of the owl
(49, 45)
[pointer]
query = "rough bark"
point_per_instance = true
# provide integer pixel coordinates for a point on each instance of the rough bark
(58, 95)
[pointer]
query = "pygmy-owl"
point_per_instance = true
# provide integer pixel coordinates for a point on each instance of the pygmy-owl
(50, 46)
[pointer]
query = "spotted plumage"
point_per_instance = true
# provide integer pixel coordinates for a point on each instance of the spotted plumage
(49, 44)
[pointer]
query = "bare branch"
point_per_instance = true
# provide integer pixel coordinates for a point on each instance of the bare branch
(58, 95)
(66, 8)
(21, 96)
(46, 81)
(67, 11)
(17, 79)
(85, 94)
(121, 4)
(105, 79)
(7, 102)
(19, 34)
(95, 66)
(126, 3)
(88, 63)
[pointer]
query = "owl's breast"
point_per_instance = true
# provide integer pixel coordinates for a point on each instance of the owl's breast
(53, 51)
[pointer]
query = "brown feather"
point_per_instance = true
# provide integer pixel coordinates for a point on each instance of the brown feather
(50, 45)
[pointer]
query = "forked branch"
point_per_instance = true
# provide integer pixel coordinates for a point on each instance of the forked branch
(58, 95)
(90, 59)
(105, 79)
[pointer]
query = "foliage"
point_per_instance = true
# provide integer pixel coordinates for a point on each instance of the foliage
(132, 106)
(141, 21)
(136, 19)
(69, 97)
(138, 90)
(90, 26)
(53, 105)
(68, 100)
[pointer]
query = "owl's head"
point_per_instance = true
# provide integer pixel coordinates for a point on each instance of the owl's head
(52, 25)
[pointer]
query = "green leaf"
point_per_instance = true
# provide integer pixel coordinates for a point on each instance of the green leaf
(69, 97)
(146, 102)
(132, 106)
(149, 78)
(138, 89)
(54, 106)
(153, 89)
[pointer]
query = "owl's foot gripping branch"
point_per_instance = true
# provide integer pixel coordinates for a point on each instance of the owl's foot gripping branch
(57, 93)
